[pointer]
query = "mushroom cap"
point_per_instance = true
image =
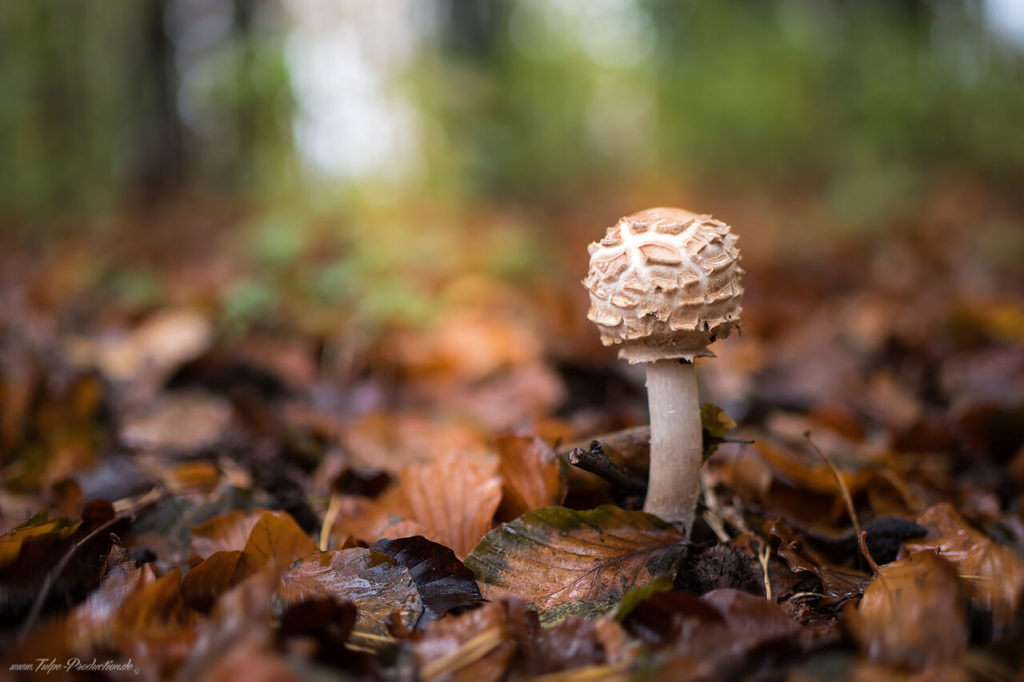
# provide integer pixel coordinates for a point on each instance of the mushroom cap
(664, 283)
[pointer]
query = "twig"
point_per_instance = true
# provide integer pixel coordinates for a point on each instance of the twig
(848, 500)
(55, 572)
(596, 461)
(762, 558)
(333, 510)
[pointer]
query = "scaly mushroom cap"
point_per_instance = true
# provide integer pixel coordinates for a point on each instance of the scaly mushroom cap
(664, 283)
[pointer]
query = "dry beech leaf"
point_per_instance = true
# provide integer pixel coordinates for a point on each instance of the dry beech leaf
(379, 585)
(579, 561)
(154, 626)
(472, 647)
(993, 575)
(911, 614)
(224, 533)
(215, 575)
(571, 644)
(838, 583)
(812, 474)
(531, 476)
(394, 441)
(274, 543)
(751, 618)
(451, 499)
(251, 661)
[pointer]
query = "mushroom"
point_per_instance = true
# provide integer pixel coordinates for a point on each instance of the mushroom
(664, 284)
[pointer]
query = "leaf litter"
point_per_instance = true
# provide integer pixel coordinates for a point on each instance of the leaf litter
(291, 499)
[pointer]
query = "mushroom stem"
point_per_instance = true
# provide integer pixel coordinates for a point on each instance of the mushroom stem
(676, 445)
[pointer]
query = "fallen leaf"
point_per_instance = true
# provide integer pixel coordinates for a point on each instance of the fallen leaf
(992, 574)
(274, 543)
(154, 626)
(531, 476)
(184, 423)
(377, 583)
(251, 662)
(674, 619)
(472, 647)
(225, 532)
(911, 614)
(39, 527)
(555, 557)
(444, 583)
(751, 618)
(573, 643)
(452, 500)
(838, 584)
(396, 441)
(152, 350)
(215, 575)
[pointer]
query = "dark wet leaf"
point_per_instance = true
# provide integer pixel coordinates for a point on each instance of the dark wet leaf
(444, 583)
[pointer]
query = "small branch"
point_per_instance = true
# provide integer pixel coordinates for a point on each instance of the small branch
(848, 500)
(597, 462)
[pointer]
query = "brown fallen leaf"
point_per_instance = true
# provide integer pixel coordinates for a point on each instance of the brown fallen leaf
(181, 423)
(396, 441)
(472, 647)
(274, 543)
(912, 614)
(452, 500)
(249, 660)
(581, 561)
(89, 624)
(151, 351)
(838, 584)
(224, 533)
(154, 626)
(531, 476)
(205, 582)
(992, 574)
(380, 586)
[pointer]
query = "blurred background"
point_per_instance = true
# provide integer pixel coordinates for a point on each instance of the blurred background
(386, 204)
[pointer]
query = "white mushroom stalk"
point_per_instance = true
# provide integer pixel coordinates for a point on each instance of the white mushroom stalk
(676, 444)
(664, 284)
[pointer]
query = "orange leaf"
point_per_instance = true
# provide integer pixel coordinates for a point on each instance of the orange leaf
(203, 584)
(224, 533)
(531, 476)
(275, 542)
(453, 499)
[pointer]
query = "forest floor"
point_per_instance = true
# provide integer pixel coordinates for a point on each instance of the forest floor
(284, 461)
